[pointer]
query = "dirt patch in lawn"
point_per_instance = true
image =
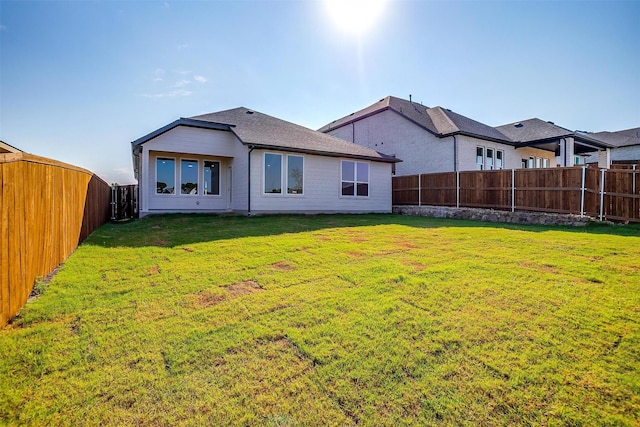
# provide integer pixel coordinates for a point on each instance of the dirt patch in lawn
(283, 265)
(160, 243)
(154, 270)
(243, 288)
(540, 267)
(207, 299)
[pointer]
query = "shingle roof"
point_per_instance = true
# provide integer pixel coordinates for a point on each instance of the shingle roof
(621, 138)
(437, 120)
(533, 130)
(264, 131)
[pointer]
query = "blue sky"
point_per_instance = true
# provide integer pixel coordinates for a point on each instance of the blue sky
(80, 80)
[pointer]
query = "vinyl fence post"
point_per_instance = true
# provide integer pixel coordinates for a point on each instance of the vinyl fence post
(634, 179)
(457, 189)
(584, 173)
(601, 193)
(419, 190)
(513, 190)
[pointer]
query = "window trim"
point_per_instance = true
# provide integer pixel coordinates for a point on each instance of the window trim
(480, 165)
(355, 180)
(219, 194)
(197, 193)
(493, 158)
(174, 176)
(501, 152)
(284, 175)
(285, 172)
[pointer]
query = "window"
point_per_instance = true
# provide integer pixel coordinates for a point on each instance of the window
(538, 162)
(273, 173)
(545, 163)
(489, 158)
(295, 175)
(211, 179)
(531, 162)
(165, 175)
(525, 164)
(479, 158)
(188, 177)
(576, 160)
(499, 159)
(355, 178)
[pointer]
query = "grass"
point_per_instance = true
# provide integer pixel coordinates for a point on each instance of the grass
(331, 320)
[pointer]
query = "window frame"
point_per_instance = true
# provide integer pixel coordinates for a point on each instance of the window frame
(158, 158)
(501, 155)
(355, 181)
(219, 178)
(284, 175)
(197, 193)
(491, 166)
(480, 164)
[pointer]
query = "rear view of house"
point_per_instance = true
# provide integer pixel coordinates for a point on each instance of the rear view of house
(244, 161)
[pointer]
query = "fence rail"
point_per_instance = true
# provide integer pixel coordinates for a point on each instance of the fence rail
(612, 194)
(47, 209)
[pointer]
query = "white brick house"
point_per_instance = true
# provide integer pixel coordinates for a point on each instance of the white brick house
(440, 140)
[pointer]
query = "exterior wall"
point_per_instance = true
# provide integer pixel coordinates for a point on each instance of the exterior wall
(321, 188)
(526, 152)
(423, 152)
(392, 134)
(631, 153)
(189, 144)
(188, 202)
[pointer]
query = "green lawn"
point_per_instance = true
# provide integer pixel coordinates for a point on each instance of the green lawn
(331, 320)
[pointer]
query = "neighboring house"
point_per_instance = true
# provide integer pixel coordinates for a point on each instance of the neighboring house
(440, 140)
(571, 148)
(244, 161)
(626, 146)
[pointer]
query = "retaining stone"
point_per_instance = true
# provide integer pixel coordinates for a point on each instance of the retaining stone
(490, 215)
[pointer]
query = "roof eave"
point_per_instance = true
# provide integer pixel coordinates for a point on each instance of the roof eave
(321, 153)
(182, 122)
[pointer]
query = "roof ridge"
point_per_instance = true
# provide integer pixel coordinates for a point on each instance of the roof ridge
(446, 116)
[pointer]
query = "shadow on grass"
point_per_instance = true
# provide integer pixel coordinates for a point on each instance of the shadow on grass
(181, 229)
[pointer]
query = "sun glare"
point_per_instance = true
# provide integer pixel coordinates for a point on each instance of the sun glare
(355, 16)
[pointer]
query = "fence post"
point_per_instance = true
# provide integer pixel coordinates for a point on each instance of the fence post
(513, 190)
(419, 190)
(634, 179)
(601, 193)
(584, 172)
(457, 189)
(114, 197)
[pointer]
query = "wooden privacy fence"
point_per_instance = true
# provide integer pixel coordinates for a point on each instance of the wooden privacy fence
(607, 194)
(47, 209)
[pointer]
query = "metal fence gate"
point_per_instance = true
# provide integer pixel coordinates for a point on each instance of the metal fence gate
(124, 202)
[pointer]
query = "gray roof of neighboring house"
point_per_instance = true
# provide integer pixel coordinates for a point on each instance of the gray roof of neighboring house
(533, 130)
(439, 121)
(259, 130)
(621, 138)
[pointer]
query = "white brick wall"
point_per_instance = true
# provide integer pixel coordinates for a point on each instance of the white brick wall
(423, 152)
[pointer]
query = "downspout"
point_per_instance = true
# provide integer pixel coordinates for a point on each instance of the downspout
(251, 148)
(455, 154)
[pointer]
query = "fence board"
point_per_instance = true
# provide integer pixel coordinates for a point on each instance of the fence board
(558, 190)
(46, 207)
